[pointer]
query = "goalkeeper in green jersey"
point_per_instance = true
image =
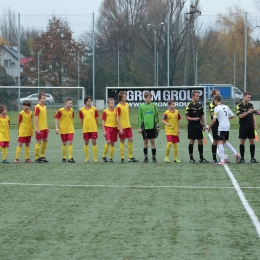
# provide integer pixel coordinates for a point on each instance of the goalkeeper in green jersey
(148, 124)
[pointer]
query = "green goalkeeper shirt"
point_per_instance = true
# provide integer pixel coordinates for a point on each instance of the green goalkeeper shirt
(148, 116)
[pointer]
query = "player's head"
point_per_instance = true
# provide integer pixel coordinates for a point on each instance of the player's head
(110, 102)
(68, 102)
(3, 109)
(217, 99)
(42, 98)
(122, 96)
(147, 96)
(246, 97)
(215, 92)
(195, 95)
(88, 101)
(26, 104)
(171, 104)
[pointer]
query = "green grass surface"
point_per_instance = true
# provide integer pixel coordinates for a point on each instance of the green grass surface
(127, 211)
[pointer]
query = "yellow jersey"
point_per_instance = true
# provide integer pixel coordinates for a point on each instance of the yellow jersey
(66, 118)
(173, 119)
(109, 116)
(122, 110)
(4, 129)
(40, 111)
(25, 124)
(88, 116)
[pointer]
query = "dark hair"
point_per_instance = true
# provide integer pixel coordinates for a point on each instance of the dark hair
(68, 99)
(147, 94)
(110, 99)
(218, 98)
(87, 98)
(27, 103)
(246, 93)
(170, 102)
(41, 94)
(2, 108)
(120, 95)
(194, 92)
(213, 93)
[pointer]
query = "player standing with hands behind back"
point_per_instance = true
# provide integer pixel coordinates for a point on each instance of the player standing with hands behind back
(195, 116)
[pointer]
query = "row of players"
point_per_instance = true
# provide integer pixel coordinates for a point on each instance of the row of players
(115, 121)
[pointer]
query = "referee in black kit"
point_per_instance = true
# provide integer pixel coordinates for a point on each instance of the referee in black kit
(247, 122)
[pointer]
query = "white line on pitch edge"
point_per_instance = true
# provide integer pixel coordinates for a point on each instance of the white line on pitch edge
(242, 197)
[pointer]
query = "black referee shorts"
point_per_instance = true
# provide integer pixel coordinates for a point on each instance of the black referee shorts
(149, 134)
(223, 135)
(247, 131)
(195, 134)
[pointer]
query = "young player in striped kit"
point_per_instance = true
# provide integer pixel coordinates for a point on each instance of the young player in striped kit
(89, 121)
(65, 116)
(109, 126)
(25, 131)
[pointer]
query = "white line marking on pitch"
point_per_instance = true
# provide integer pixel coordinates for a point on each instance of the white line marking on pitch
(242, 197)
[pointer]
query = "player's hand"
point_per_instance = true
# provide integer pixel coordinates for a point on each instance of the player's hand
(139, 130)
(255, 127)
(57, 131)
(179, 131)
(209, 128)
(168, 124)
(38, 132)
(197, 118)
(121, 131)
(250, 111)
(105, 134)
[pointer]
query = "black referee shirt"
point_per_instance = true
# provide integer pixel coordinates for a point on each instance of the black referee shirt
(243, 108)
(194, 110)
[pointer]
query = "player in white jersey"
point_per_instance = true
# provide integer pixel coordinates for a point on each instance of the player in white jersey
(223, 114)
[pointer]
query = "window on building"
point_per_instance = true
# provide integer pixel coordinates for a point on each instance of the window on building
(7, 63)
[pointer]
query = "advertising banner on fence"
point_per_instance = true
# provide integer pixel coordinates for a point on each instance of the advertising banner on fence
(160, 95)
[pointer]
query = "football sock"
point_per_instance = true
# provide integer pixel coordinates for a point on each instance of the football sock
(37, 149)
(168, 148)
(230, 147)
(252, 150)
(70, 151)
(4, 149)
(146, 152)
(154, 152)
(122, 152)
(242, 150)
(112, 150)
(200, 148)
(130, 149)
(43, 148)
(176, 151)
(18, 151)
(86, 152)
(27, 152)
(63, 149)
(221, 152)
(105, 150)
(1, 148)
(191, 151)
(214, 151)
(95, 151)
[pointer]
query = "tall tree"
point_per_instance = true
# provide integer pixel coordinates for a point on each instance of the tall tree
(58, 56)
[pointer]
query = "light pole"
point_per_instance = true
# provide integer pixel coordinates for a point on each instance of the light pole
(38, 54)
(155, 26)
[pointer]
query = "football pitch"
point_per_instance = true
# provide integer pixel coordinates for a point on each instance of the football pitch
(131, 210)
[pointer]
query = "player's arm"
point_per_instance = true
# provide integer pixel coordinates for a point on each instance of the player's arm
(255, 125)
(213, 120)
(202, 120)
(156, 118)
(81, 117)
(179, 125)
(104, 116)
(36, 119)
(140, 118)
(118, 111)
(19, 121)
(56, 118)
(96, 116)
(164, 120)
(230, 114)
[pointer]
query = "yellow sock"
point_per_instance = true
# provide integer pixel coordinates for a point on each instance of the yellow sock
(112, 150)
(70, 151)
(122, 152)
(168, 148)
(4, 153)
(27, 152)
(86, 152)
(1, 148)
(63, 150)
(18, 152)
(105, 150)
(44, 145)
(95, 151)
(176, 151)
(37, 150)
(130, 149)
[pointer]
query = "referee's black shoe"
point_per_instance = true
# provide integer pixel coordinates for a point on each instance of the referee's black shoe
(203, 160)
(253, 160)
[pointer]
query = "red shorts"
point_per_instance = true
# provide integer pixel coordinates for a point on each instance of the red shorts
(111, 134)
(127, 133)
(172, 139)
(90, 135)
(43, 134)
(24, 139)
(4, 144)
(66, 137)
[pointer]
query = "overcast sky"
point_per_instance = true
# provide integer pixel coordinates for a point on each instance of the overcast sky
(89, 6)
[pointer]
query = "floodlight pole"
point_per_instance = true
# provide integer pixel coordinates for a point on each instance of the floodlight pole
(19, 58)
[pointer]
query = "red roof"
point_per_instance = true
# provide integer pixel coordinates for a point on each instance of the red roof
(23, 61)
